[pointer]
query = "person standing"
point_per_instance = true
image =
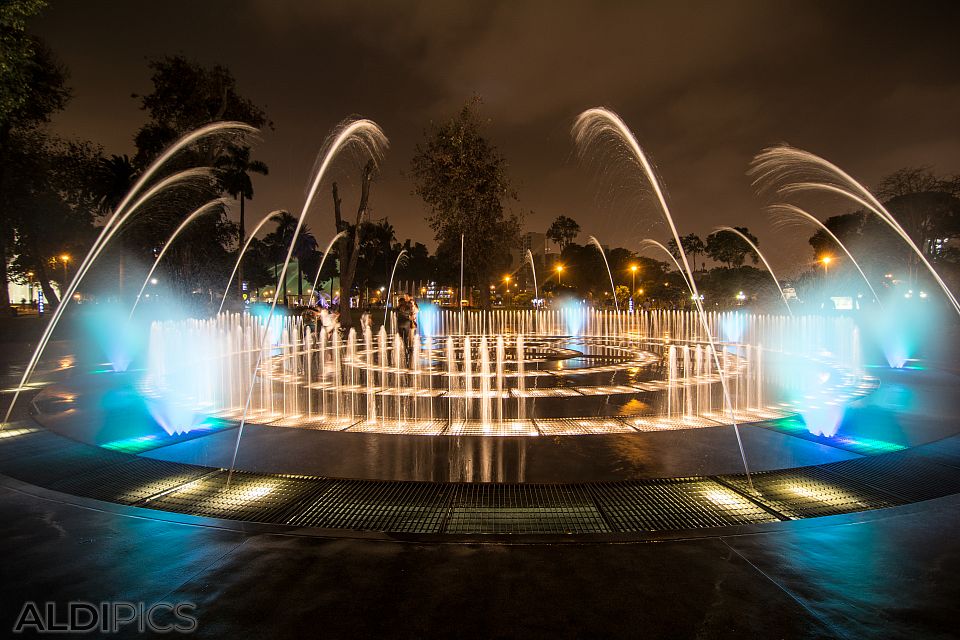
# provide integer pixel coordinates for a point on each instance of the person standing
(404, 321)
(366, 321)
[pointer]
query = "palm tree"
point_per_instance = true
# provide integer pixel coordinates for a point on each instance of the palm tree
(115, 177)
(279, 240)
(235, 167)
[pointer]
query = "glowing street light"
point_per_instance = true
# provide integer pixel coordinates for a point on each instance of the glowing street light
(633, 279)
(826, 264)
(65, 258)
(559, 269)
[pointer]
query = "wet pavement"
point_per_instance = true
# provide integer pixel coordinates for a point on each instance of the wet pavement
(883, 574)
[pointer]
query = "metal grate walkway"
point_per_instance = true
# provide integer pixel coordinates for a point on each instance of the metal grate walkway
(45, 459)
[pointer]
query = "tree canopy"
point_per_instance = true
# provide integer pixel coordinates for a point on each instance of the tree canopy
(563, 231)
(462, 179)
(728, 248)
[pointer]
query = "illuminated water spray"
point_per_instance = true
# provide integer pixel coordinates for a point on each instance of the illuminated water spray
(123, 211)
(595, 124)
(371, 140)
(323, 260)
(797, 211)
(396, 263)
(756, 250)
(533, 269)
(213, 205)
(789, 170)
(648, 242)
(613, 289)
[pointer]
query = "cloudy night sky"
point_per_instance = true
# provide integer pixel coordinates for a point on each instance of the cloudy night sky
(870, 85)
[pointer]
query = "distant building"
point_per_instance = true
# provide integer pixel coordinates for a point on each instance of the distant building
(539, 246)
(536, 243)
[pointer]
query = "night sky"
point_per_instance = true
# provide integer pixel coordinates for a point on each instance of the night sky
(872, 86)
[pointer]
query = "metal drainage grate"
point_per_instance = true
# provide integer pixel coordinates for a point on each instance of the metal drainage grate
(906, 475)
(52, 461)
(675, 504)
(250, 496)
(17, 443)
(523, 508)
(413, 507)
(131, 482)
(808, 492)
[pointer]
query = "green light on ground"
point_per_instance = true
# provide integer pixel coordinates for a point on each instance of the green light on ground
(795, 426)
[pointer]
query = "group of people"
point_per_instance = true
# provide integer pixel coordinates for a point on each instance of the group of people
(328, 321)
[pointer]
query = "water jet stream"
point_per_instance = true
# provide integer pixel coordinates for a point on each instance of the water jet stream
(613, 289)
(386, 306)
(323, 260)
(591, 125)
(246, 246)
(765, 263)
(778, 165)
(662, 247)
(105, 236)
(107, 232)
(369, 136)
(792, 209)
(206, 208)
(536, 293)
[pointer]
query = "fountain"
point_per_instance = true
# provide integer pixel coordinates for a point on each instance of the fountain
(122, 213)
(545, 395)
(593, 125)
(488, 382)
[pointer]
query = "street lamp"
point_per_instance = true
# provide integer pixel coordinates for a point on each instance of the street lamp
(559, 268)
(826, 264)
(65, 258)
(633, 279)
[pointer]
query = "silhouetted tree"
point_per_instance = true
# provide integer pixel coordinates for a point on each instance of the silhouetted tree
(729, 248)
(235, 169)
(692, 245)
(563, 231)
(463, 180)
(348, 247)
(32, 88)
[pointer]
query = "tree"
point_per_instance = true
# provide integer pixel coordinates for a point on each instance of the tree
(50, 203)
(348, 247)
(729, 248)
(563, 231)
(376, 253)
(463, 180)
(186, 95)
(692, 246)
(235, 169)
(32, 88)
(926, 206)
(279, 241)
